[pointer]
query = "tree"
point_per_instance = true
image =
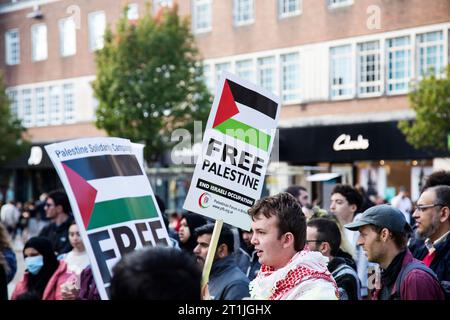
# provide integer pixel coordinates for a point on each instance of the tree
(430, 99)
(149, 80)
(11, 129)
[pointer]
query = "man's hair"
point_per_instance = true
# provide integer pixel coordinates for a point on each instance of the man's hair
(156, 273)
(437, 178)
(327, 231)
(226, 235)
(295, 190)
(289, 213)
(60, 199)
(442, 195)
(400, 238)
(351, 194)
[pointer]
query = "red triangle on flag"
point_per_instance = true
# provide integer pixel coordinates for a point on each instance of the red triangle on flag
(227, 106)
(84, 194)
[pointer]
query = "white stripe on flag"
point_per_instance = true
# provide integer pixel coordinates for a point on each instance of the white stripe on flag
(121, 187)
(254, 118)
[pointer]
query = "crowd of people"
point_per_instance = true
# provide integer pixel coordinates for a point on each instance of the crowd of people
(354, 250)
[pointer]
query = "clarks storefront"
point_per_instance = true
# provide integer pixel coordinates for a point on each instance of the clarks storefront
(374, 155)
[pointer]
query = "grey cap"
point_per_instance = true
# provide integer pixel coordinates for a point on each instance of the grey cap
(384, 216)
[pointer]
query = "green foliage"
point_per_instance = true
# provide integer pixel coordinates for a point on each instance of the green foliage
(11, 130)
(149, 81)
(430, 99)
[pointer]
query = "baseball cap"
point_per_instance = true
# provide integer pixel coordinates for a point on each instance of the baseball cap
(384, 216)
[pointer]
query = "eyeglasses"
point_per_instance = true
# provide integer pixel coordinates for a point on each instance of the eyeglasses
(423, 207)
(48, 205)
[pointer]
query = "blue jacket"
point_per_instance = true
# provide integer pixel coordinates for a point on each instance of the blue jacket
(227, 281)
(248, 263)
(441, 262)
(10, 257)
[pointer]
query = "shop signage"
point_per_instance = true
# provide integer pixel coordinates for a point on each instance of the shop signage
(344, 142)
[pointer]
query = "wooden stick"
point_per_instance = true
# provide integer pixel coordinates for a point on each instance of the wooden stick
(211, 252)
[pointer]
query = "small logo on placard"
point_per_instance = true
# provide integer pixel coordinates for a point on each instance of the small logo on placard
(204, 200)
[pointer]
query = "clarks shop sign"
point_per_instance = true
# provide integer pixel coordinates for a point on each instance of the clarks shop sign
(344, 142)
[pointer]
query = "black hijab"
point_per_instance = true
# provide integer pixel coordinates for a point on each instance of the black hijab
(37, 283)
(193, 221)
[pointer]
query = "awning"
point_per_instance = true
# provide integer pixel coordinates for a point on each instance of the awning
(323, 176)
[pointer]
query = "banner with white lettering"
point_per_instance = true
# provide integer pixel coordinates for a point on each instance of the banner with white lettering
(111, 199)
(229, 174)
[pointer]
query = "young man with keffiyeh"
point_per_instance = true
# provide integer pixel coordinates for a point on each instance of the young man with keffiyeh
(289, 270)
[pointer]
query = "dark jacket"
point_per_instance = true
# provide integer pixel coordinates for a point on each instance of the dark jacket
(88, 288)
(346, 279)
(3, 284)
(441, 261)
(10, 257)
(248, 262)
(417, 284)
(227, 281)
(58, 236)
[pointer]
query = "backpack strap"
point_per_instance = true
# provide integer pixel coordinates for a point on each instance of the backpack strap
(407, 269)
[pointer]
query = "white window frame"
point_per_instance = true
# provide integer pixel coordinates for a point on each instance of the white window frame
(195, 16)
(241, 69)
(290, 65)
(272, 67)
(133, 11)
(224, 66)
(425, 45)
(351, 84)
(332, 4)
(69, 113)
(283, 4)
(12, 57)
(54, 95)
(207, 77)
(28, 114)
(409, 64)
(36, 54)
(367, 84)
(41, 97)
(13, 96)
(96, 40)
(67, 37)
(237, 13)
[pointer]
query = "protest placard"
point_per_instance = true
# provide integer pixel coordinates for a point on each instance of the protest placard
(111, 199)
(229, 174)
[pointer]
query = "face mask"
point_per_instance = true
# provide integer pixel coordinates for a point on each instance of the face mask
(34, 264)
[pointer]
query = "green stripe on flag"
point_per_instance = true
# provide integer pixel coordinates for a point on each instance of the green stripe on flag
(246, 133)
(122, 210)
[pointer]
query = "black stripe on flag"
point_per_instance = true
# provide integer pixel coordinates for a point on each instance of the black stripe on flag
(105, 166)
(253, 99)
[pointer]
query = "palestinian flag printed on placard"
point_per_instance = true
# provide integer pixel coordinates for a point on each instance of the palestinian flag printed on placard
(236, 114)
(109, 189)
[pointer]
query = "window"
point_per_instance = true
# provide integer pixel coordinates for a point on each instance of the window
(14, 105)
(266, 73)
(207, 77)
(221, 67)
(27, 108)
(39, 42)
(339, 3)
(243, 12)
(430, 52)
(55, 105)
(244, 69)
(341, 72)
(68, 37)
(12, 47)
(399, 64)
(290, 84)
(97, 25)
(287, 8)
(369, 68)
(69, 103)
(133, 12)
(41, 112)
(201, 21)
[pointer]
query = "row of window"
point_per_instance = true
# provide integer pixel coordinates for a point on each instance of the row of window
(363, 69)
(243, 11)
(67, 37)
(45, 105)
